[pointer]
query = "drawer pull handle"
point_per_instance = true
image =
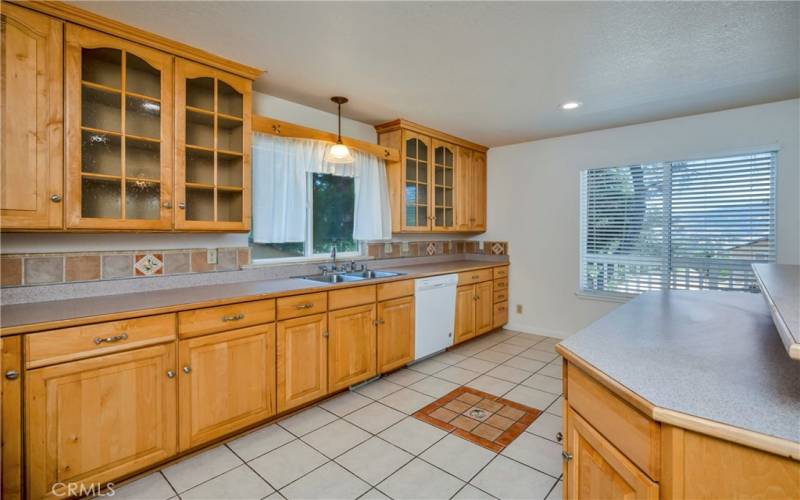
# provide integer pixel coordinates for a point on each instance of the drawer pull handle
(307, 305)
(566, 455)
(12, 374)
(233, 317)
(378, 322)
(559, 437)
(171, 374)
(475, 276)
(111, 340)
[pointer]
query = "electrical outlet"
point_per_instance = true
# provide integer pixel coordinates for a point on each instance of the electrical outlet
(211, 256)
(404, 247)
(480, 245)
(387, 248)
(519, 308)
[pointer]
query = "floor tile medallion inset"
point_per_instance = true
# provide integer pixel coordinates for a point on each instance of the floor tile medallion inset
(479, 417)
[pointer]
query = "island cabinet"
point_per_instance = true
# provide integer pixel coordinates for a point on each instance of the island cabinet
(439, 185)
(31, 190)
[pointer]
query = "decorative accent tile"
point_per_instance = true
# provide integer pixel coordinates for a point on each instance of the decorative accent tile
(117, 266)
(431, 248)
(151, 264)
(10, 271)
(42, 270)
(82, 268)
(498, 248)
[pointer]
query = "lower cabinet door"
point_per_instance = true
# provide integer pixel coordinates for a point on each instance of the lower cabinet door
(227, 381)
(352, 349)
(484, 307)
(597, 469)
(395, 333)
(95, 420)
(465, 313)
(302, 360)
(11, 470)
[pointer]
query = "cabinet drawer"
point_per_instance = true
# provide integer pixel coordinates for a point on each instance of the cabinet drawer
(501, 272)
(68, 344)
(349, 297)
(501, 284)
(632, 432)
(395, 289)
(476, 276)
(302, 305)
(220, 318)
(500, 315)
(501, 296)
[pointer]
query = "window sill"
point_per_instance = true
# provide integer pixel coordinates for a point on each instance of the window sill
(304, 260)
(619, 298)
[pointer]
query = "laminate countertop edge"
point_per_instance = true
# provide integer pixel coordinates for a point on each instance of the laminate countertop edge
(291, 286)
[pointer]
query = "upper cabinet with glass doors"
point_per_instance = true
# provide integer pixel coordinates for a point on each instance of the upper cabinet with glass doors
(213, 121)
(439, 185)
(119, 133)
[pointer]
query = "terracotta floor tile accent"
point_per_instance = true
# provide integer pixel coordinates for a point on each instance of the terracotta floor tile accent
(486, 420)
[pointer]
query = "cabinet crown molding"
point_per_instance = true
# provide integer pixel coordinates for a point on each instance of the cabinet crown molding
(402, 123)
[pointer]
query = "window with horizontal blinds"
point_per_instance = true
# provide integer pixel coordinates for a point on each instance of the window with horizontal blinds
(689, 225)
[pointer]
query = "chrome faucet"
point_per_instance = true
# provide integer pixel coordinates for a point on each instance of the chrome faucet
(333, 256)
(330, 268)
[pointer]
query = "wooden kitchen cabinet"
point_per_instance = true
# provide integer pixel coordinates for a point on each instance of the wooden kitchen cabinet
(395, 333)
(119, 114)
(440, 183)
(484, 307)
(11, 465)
(32, 170)
(302, 360)
(465, 313)
(227, 381)
(596, 469)
(352, 346)
(213, 122)
(99, 419)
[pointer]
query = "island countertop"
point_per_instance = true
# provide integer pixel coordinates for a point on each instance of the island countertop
(712, 357)
(38, 316)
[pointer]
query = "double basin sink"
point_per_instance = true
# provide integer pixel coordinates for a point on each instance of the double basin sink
(351, 276)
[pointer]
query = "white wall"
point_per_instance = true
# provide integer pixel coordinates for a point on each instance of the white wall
(533, 199)
(262, 104)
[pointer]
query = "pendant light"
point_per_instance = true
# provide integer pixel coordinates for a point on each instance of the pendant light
(339, 153)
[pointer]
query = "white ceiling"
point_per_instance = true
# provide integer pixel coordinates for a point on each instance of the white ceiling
(494, 72)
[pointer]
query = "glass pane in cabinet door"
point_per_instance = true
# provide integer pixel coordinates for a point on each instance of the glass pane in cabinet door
(448, 157)
(411, 170)
(199, 204)
(411, 149)
(102, 66)
(142, 159)
(438, 196)
(199, 166)
(141, 78)
(142, 199)
(448, 217)
(422, 151)
(422, 216)
(439, 217)
(448, 177)
(100, 109)
(199, 129)
(100, 198)
(422, 194)
(229, 101)
(448, 197)
(229, 206)
(411, 215)
(229, 170)
(100, 153)
(438, 176)
(142, 117)
(438, 156)
(229, 135)
(200, 93)
(422, 173)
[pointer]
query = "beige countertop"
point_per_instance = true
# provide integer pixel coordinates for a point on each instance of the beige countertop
(701, 358)
(25, 318)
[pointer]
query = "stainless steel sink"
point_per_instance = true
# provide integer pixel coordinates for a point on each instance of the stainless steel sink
(369, 274)
(332, 278)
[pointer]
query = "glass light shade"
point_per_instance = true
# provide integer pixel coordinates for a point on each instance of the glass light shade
(339, 153)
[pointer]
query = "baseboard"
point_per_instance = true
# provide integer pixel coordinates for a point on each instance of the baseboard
(521, 327)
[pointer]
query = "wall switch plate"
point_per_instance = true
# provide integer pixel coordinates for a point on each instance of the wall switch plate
(519, 308)
(480, 245)
(387, 248)
(211, 256)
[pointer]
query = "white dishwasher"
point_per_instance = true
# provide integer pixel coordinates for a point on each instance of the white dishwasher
(435, 305)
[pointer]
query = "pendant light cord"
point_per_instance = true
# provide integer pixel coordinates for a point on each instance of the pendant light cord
(339, 135)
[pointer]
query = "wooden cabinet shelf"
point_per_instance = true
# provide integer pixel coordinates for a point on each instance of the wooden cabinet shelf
(439, 185)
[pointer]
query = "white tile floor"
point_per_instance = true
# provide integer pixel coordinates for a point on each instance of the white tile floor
(364, 444)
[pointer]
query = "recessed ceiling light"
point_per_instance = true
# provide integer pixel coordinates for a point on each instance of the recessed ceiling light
(570, 105)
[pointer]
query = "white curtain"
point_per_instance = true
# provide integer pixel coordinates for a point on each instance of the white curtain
(280, 170)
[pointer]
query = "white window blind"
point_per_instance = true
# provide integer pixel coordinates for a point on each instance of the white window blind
(689, 225)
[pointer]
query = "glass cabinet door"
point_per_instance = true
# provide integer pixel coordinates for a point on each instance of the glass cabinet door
(213, 169)
(119, 133)
(444, 159)
(416, 151)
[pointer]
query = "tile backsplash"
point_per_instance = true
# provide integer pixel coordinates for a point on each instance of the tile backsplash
(54, 268)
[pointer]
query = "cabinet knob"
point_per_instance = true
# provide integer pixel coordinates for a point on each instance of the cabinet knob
(171, 374)
(12, 374)
(567, 456)
(187, 369)
(181, 205)
(325, 334)
(56, 198)
(167, 204)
